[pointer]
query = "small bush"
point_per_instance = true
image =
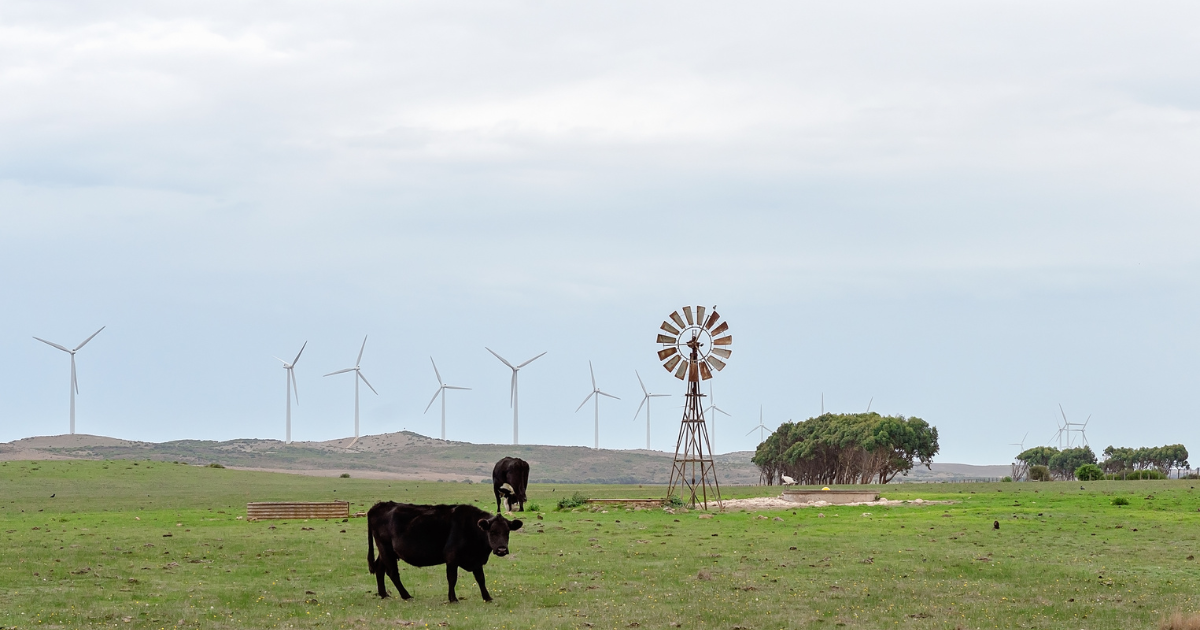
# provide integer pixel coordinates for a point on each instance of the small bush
(1089, 472)
(673, 501)
(1120, 501)
(1007, 480)
(344, 476)
(533, 506)
(1039, 473)
(212, 465)
(1134, 475)
(573, 501)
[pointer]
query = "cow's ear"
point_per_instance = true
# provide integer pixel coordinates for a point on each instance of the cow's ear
(513, 525)
(483, 524)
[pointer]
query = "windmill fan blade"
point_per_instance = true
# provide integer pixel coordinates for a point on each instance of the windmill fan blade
(700, 314)
(681, 373)
(678, 320)
(364, 379)
(666, 352)
(502, 360)
(720, 329)
(300, 353)
(589, 397)
(432, 400)
(532, 360)
(666, 340)
(360, 351)
(723, 341)
(89, 338)
(693, 373)
(705, 373)
(669, 328)
(712, 320)
(435, 371)
(687, 313)
(672, 362)
(640, 405)
(716, 363)
(52, 344)
(341, 371)
(722, 352)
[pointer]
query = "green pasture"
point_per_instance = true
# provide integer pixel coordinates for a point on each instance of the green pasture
(159, 545)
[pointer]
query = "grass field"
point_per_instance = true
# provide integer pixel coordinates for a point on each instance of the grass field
(158, 545)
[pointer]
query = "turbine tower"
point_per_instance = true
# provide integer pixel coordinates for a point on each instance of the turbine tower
(713, 409)
(760, 428)
(596, 393)
(291, 390)
(441, 391)
(512, 397)
(357, 375)
(74, 381)
(645, 401)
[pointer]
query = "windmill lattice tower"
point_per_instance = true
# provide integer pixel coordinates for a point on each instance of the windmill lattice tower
(691, 349)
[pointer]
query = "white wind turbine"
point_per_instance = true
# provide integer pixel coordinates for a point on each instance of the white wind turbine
(760, 428)
(512, 397)
(712, 411)
(291, 390)
(595, 391)
(357, 375)
(645, 401)
(441, 391)
(74, 381)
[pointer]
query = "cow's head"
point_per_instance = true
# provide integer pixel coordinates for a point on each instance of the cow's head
(497, 529)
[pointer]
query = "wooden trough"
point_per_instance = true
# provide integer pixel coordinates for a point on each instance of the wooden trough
(833, 497)
(297, 509)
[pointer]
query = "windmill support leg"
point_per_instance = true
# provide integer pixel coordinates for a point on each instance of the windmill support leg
(693, 470)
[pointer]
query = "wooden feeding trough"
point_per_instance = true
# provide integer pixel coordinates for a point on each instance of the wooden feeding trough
(297, 509)
(833, 497)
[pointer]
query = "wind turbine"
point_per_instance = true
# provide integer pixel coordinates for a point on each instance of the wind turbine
(291, 389)
(645, 401)
(357, 375)
(713, 409)
(441, 391)
(595, 391)
(74, 381)
(512, 397)
(1021, 443)
(761, 427)
(1067, 427)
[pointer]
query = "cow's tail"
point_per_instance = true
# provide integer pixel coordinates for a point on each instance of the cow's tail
(371, 551)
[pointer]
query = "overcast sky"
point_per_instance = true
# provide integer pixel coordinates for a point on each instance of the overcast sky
(965, 212)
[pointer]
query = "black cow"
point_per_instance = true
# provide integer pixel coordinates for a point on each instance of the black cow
(427, 535)
(510, 478)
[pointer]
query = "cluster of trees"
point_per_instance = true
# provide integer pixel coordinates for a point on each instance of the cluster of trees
(1042, 461)
(846, 448)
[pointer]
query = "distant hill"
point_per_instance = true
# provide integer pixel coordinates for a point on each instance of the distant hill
(403, 455)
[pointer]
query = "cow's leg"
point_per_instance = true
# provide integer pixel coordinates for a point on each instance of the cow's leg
(487, 597)
(393, 571)
(451, 580)
(379, 571)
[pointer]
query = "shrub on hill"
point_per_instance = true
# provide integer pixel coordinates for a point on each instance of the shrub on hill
(1039, 473)
(1089, 472)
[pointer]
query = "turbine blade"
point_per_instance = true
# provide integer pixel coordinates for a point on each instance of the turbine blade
(677, 319)
(722, 352)
(341, 371)
(360, 351)
(593, 372)
(687, 312)
(712, 319)
(669, 328)
(52, 344)
(639, 376)
(295, 388)
(606, 394)
(720, 410)
(672, 362)
(89, 338)
(589, 397)
(435, 371)
(432, 400)
(300, 353)
(666, 352)
(665, 339)
(752, 430)
(512, 392)
(531, 360)
(502, 359)
(700, 315)
(1064, 414)
(360, 375)
(639, 409)
(453, 387)
(720, 329)
(74, 381)
(657, 395)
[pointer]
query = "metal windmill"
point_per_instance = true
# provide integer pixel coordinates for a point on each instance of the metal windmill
(694, 345)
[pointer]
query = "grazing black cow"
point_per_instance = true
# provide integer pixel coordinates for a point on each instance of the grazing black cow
(427, 535)
(510, 478)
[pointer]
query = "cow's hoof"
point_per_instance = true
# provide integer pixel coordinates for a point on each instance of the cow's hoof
(405, 596)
